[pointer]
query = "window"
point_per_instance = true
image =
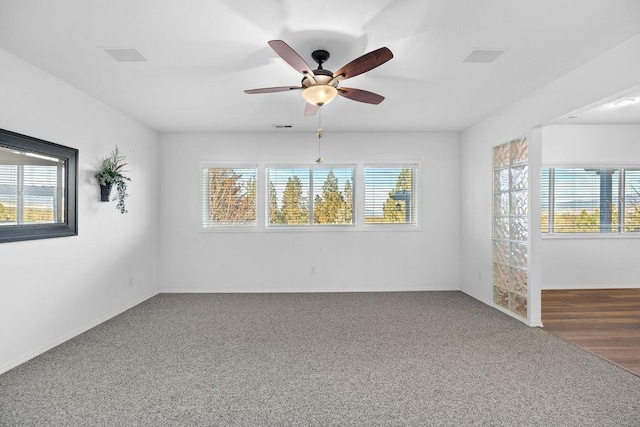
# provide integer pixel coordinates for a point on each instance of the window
(390, 194)
(511, 226)
(228, 197)
(352, 197)
(310, 196)
(37, 188)
(590, 200)
(631, 218)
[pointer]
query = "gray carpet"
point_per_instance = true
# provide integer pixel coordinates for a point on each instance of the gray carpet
(416, 358)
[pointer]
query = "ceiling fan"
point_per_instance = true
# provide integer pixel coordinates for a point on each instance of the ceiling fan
(320, 86)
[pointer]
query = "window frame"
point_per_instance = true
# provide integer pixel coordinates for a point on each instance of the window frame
(416, 206)
(619, 185)
(311, 225)
(69, 225)
(623, 207)
(252, 226)
(358, 225)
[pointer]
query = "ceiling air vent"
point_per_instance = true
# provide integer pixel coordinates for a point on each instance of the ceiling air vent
(125, 54)
(483, 56)
(282, 126)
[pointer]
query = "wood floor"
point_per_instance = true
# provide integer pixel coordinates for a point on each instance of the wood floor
(605, 322)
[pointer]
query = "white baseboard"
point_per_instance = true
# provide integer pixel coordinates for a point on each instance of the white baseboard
(22, 359)
(293, 291)
(478, 297)
(501, 309)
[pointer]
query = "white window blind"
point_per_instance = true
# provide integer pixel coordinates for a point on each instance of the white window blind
(391, 194)
(332, 195)
(632, 200)
(544, 188)
(31, 193)
(586, 200)
(310, 196)
(228, 196)
(40, 194)
(8, 194)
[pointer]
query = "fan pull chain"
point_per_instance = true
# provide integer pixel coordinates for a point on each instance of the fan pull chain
(320, 133)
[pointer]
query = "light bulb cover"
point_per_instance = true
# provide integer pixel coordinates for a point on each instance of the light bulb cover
(319, 94)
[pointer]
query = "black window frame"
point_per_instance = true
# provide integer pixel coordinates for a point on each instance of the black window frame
(69, 227)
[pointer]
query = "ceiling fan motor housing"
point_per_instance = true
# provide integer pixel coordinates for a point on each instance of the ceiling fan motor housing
(321, 76)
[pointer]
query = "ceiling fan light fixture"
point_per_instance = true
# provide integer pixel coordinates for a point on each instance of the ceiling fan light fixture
(319, 94)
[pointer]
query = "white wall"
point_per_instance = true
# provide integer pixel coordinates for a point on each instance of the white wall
(590, 261)
(281, 261)
(611, 73)
(53, 289)
(566, 145)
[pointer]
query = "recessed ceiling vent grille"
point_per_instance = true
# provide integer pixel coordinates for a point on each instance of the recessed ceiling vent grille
(483, 56)
(278, 126)
(125, 54)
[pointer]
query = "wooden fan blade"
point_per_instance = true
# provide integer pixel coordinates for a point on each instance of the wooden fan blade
(272, 89)
(310, 109)
(290, 56)
(360, 95)
(365, 63)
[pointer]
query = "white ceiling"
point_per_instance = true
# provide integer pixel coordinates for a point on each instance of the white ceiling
(622, 108)
(202, 54)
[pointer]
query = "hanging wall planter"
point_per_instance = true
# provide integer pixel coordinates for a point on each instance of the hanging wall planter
(111, 173)
(105, 192)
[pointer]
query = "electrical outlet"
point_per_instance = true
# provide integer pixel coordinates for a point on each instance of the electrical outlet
(479, 275)
(313, 270)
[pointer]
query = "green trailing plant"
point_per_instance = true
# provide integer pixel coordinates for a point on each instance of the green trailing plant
(112, 173)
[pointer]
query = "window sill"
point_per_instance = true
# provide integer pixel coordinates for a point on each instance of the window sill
(596, 236)
(313, 229)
